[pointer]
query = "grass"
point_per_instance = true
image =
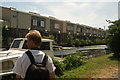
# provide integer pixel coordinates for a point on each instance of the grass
(100, 67)
(93, 67)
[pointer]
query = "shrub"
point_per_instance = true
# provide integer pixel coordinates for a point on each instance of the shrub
(77, 42)
(72, 61)
(60, 67)
(114, 37)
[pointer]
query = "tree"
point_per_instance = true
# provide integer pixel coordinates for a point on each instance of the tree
(69, 40)
(77, 42)
(114, 37)
(50, 37)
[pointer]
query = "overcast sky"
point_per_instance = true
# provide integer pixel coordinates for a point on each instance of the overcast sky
(92, 14)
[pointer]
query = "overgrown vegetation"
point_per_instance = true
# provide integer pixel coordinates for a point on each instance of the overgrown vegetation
(71, 61)
(90, 69)
(93, 68)
(60, 67)
(114, 37)
(50, 37)
(70, 40)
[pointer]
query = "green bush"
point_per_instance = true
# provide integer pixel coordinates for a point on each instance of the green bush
(77, 42)
(60, 67)
(114, 37)
(50, 37)
(69, 40)
(72, 61)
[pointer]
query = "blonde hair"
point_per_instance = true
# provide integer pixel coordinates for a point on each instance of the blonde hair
(35, 36)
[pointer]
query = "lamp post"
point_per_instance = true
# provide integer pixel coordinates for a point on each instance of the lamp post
(77, 35)
(6, 37)
(69, 33)
(29, 29)
(6, 27)
(46, 32)
(58, 38)
(58, 32)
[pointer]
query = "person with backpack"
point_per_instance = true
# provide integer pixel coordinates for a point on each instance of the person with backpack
(34, 64)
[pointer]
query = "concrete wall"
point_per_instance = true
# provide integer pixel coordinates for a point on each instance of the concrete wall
(14, 19)
(24, 20)
(6, 14)
(64, 27)
(47, 24)
(20, 20)
(75, 27)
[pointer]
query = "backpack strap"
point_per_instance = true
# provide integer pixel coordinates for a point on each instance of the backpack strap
(45, 60)
(29, 54)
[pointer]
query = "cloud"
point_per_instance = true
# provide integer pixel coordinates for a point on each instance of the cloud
(93, 14)
(89, 13)
(59, 0)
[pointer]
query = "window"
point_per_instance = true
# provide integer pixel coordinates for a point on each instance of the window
(57, 26)
(42, 24)
(43, 46)
(86, 30)
(78, 29)
(70, 28)
(34, 22)
(16, 44)
(81, 30)
(24, 45)
(94, 32)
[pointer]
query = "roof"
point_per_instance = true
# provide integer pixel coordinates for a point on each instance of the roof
(43, 40)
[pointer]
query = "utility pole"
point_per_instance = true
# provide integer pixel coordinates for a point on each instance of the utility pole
(17, 31)
(104, 27)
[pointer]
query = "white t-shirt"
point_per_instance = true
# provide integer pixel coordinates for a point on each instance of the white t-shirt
(23, 63)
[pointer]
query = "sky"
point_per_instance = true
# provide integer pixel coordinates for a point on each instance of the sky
(91, 13)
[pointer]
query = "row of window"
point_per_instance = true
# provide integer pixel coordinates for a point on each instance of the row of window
(70, 28)
(42, 24)
(57, 26)
(79, 29)
(38, 23)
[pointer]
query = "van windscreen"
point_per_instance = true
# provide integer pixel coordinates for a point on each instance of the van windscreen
(16, 44)
(43, 46)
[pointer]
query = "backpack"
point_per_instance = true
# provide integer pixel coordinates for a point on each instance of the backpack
(37, 71)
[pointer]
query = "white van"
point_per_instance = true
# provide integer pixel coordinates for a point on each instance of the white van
(17, 48)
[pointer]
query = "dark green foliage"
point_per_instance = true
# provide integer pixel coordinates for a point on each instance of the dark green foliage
(60, 67)
(68, 40)
(114, 37)
(72, 61)
(77, 42)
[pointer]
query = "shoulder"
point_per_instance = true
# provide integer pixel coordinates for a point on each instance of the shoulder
(23, 57)
(36, 52)
(49, 59)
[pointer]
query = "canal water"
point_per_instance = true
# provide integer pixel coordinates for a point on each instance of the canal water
(90, 51)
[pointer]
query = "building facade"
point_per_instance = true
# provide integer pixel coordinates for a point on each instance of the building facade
(18, 23)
